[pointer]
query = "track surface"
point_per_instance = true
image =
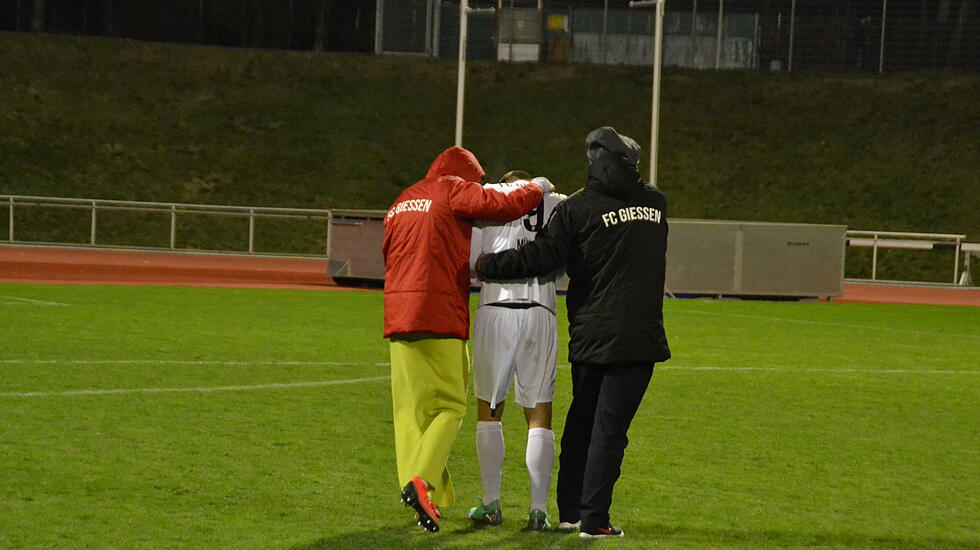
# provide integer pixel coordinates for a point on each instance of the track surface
(62, 265)
(74, 266)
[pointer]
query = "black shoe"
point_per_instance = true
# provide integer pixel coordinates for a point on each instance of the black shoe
(601, 532)
(416, 495)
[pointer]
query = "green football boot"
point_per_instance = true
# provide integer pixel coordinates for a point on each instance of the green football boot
(486, 514)
(537, 520)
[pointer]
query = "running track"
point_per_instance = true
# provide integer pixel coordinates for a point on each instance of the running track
(73, 266)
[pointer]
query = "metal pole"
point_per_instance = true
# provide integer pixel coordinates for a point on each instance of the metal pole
(461, 72)
(379, 19)
(694, 36)
(956, 260)
(966, 280)
(437, 33)
(542, 37)
(657, 54)
(874, 258)
(721, 18)
(513, 29)
(251, 230)
(173, 226)
(329, 232)
(605, 18)
(92, 235)
(655, 105)
(464, 11)
(11, 224)
(881, 47)
(792, 32)
(428, 27)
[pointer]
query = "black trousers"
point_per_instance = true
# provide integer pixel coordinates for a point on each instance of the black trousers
(604, 401)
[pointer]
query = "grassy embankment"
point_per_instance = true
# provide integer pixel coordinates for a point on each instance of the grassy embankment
(116, 119)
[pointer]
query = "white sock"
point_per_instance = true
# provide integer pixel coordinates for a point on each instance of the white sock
(490, 451)
(540, 457)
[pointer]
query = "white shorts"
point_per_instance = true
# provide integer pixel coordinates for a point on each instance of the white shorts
(514, 344)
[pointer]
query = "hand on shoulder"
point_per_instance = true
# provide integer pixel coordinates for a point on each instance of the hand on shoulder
(544, 183)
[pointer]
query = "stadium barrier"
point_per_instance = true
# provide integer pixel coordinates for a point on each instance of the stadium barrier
(917, 241)
(717, 258)
(705, 257)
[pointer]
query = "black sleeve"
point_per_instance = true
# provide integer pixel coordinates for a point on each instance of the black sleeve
(546, 253)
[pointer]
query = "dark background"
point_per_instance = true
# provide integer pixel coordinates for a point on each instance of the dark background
(830, 34)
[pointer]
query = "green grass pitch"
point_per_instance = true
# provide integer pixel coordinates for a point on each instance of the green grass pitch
(173, 417)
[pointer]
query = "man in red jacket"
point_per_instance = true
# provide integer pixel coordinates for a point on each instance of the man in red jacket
(427, 279)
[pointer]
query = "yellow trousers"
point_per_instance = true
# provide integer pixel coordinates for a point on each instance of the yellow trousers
(428, 394)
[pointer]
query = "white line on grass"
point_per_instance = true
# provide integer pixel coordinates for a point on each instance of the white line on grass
(829, 371)
(194, 390)
(18, 301)
(791, 370)
(825, 323)
(182, 362)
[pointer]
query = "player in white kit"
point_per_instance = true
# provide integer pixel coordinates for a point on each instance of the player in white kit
(514, 339)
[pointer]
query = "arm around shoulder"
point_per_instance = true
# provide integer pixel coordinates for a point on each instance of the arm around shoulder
(542, 256)
(473, 201)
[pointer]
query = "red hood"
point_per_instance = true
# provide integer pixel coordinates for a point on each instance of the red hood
(458, 162)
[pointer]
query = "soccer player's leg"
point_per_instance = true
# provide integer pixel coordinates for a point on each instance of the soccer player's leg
(490, 453)
(534, 390)
(492, 370)
(539, 457)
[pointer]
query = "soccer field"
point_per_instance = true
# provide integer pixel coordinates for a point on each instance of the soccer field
(175, 417)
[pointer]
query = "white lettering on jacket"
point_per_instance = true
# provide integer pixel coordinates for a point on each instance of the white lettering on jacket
(413, 205)
(631, 214)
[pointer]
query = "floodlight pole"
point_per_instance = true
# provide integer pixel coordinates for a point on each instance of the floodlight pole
(464, 11)
(655, 107)
(461, 72)
(792, 34)
(721, 25)
(881, 47)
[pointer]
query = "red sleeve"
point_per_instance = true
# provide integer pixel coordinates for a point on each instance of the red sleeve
(472, 201)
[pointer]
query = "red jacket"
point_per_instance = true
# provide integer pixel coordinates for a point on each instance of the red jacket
(427, 244)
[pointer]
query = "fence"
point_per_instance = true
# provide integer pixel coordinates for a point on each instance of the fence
(171, 226)
(877, 240)
(523, 30)
(431, 28)
(164, 227)
(840, 35)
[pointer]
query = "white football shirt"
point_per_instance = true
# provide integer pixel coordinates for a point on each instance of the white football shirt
(491, 237)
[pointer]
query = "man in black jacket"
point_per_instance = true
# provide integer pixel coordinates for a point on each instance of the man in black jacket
(612, 238)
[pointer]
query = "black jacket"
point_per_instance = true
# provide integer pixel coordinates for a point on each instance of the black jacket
(612, 238)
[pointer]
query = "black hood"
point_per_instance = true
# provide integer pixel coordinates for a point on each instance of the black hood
(614, 158)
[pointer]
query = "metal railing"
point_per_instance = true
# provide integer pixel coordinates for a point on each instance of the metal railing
(916, 241)
(875, 240)
(172, 210)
